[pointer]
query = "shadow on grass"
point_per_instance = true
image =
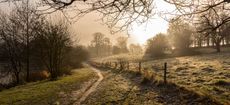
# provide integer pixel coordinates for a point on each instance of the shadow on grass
(168, 93)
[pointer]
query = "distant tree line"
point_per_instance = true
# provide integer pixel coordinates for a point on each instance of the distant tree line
(182, 36)
(102, 46)
(30, 42)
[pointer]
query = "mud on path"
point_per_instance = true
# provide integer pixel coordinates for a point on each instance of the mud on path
(125, 88)
(92, 87)
(85, 89)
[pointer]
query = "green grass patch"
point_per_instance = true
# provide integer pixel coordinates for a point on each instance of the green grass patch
(45, 92)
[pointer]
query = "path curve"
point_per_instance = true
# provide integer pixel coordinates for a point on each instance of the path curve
(93, 87)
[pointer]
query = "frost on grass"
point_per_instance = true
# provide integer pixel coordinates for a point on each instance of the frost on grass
(207, 74)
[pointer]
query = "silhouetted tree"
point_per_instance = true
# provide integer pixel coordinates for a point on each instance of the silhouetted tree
(215, 24)
(120, 14)
(12, 44)
(53, 43)
(27, 19)
(122, 44)
(100, 45)
(135, 48)
(157, 45)
(97, 42)
(107, 46)
(180, 33)
(115, 50)
(75, 56)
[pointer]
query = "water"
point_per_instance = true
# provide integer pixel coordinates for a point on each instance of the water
(5, 77)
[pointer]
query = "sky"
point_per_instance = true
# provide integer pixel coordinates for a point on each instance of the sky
(90, 23)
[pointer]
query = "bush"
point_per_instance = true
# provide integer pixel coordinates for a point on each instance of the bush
(157, 45)
(75, 57)
(66, 70)
(39, 75)
(180, 34)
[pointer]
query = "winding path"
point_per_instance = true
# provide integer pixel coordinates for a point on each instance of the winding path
(93, 87)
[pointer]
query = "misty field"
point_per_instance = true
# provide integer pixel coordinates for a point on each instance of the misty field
(206, 74)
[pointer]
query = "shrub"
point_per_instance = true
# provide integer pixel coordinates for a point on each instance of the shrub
(67, 70)
(157, 45)
(39, 75)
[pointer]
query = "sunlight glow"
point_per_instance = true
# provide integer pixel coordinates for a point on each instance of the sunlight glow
(141, 33)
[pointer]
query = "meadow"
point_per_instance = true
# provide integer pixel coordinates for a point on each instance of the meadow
(205, 74)
(66, 90)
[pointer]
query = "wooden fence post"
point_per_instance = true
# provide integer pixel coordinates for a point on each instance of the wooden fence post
(121, 65)
(115, 67)
(165, 72)
(140, 66)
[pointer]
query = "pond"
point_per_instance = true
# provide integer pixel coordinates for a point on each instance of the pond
(5, 76)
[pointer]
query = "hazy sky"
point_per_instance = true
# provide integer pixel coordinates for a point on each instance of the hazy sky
(89, 24)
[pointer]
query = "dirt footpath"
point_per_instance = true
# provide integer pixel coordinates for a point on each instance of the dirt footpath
(92, 88)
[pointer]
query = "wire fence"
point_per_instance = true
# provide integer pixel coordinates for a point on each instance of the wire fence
(157, 71)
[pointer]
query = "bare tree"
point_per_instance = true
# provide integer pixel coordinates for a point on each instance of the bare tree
(198, 39)
(52, 44)
(120, 14)
(27, 19)
(117, 14)
(135, 48)
(97, 42)
(180, 33)
(12, 44)
(215, 24)
(107, 46)
(193, 7)
(122, 44)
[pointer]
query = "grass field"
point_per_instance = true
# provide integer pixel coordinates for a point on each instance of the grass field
(46, 92)
(205, 74)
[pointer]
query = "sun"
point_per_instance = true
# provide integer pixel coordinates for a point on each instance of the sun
(142, 33)
(140, 36)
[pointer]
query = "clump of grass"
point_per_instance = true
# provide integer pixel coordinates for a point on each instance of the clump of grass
(222, 83)
(145, 80)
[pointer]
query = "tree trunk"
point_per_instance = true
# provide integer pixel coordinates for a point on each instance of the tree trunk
(207, 41)
(27, 43)
(218, 46)
(199, 43)
(223, 42)
(227, 41)
(213, 43)
(27, 63)
(17, 78)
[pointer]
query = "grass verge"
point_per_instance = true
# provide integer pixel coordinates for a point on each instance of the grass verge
(45, 92)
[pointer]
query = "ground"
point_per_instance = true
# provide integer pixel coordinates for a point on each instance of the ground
(63, 91)
(127, 88)
(206, 74)
(192, 80)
